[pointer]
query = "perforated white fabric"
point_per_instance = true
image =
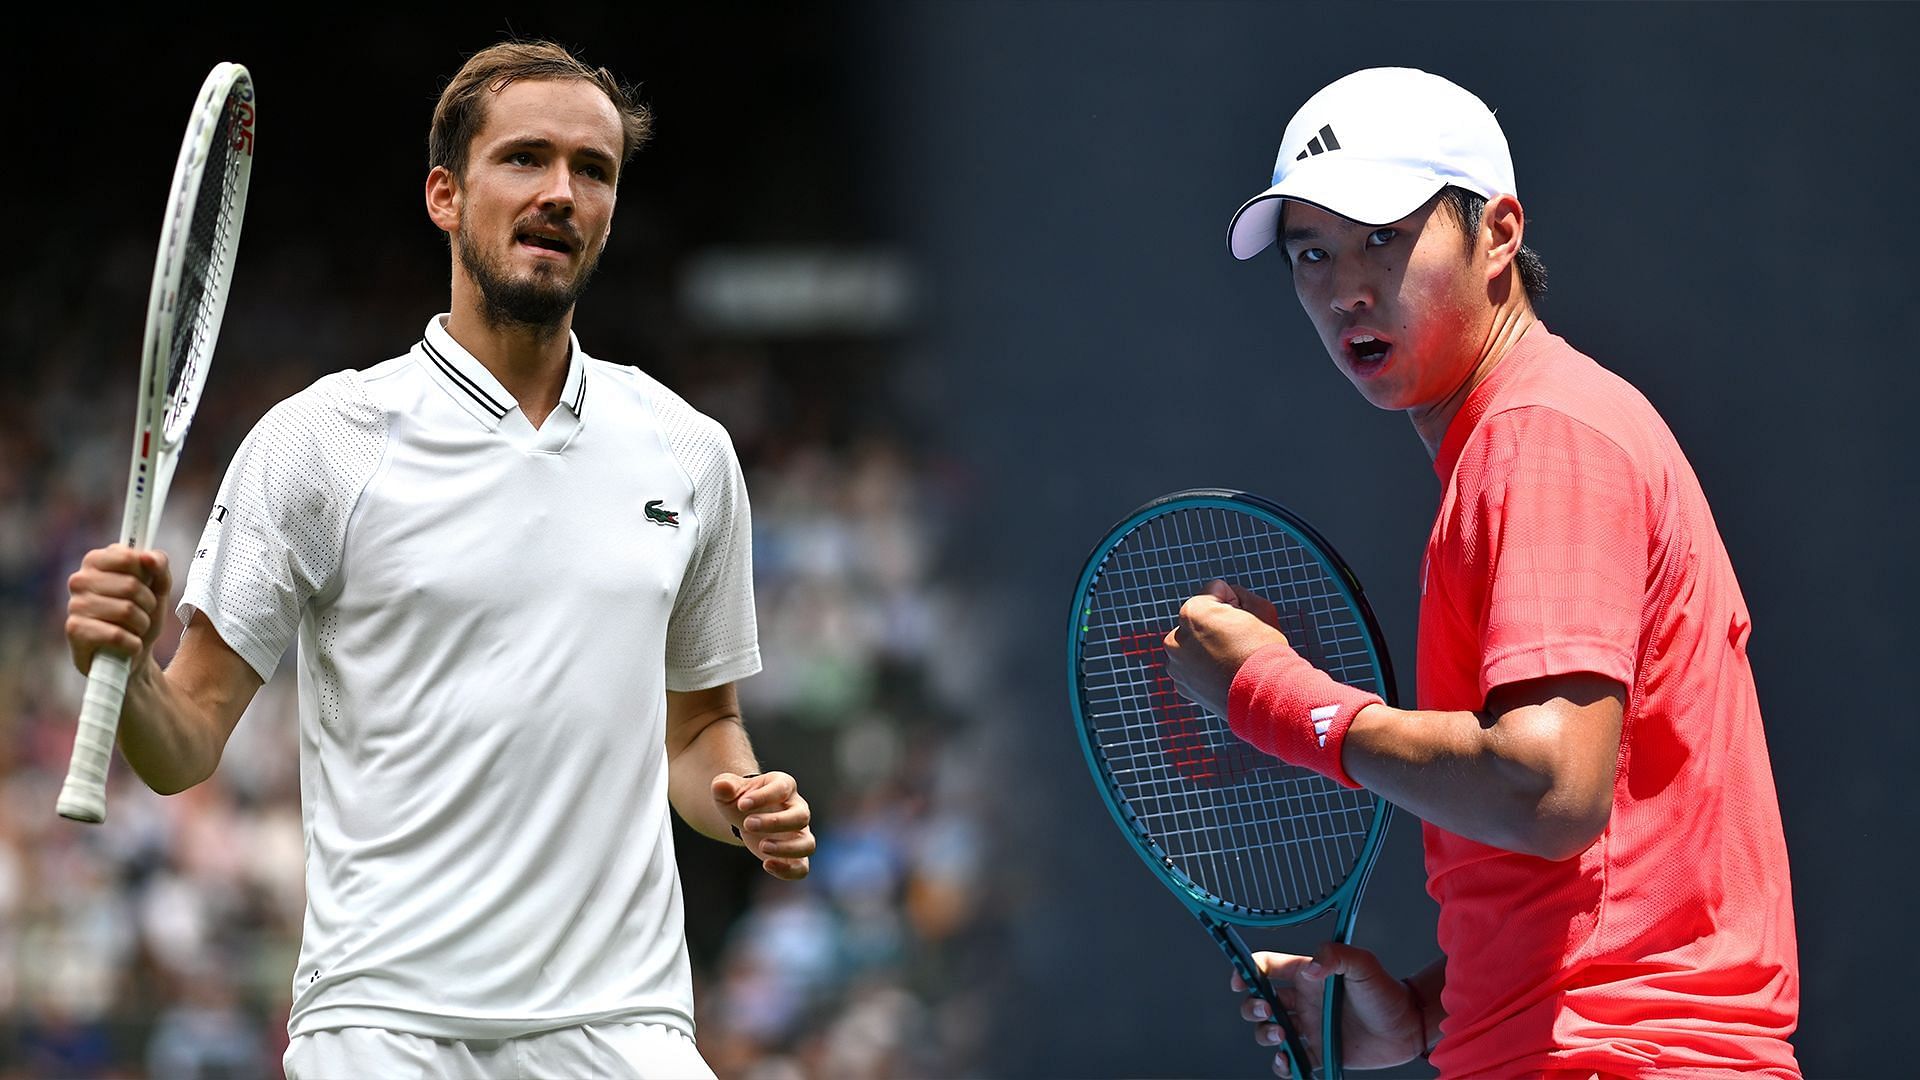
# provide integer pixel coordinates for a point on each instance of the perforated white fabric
(712, 630)
(273, 539)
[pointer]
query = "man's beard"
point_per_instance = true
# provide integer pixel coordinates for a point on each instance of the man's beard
(539, 301)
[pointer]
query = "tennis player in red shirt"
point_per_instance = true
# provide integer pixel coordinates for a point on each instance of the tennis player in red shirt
(1602, 833)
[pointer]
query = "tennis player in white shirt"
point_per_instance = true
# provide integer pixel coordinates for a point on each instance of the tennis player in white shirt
(521, 583)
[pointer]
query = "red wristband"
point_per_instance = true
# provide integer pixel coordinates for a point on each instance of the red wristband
(1294, 711)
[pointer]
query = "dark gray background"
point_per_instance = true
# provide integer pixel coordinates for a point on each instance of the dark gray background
(1721, 194)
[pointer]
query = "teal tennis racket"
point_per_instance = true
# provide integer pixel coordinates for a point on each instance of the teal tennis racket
(1242, 839)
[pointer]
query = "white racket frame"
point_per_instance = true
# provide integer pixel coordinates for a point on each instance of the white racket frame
(156, 441)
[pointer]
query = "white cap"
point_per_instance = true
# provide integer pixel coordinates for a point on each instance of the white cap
(1373, 147)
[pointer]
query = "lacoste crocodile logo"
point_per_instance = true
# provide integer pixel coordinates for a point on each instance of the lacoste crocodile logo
(662, 517)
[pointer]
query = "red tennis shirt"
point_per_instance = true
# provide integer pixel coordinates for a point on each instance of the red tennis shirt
(1573, 537)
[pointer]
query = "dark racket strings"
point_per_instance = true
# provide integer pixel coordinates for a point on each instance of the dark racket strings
(1242, 838)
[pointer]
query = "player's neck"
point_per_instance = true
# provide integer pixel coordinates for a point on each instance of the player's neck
(1509, 324)
(529, 361)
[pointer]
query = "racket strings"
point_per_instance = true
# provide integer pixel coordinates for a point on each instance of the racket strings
(1249, 829)
(209, 247)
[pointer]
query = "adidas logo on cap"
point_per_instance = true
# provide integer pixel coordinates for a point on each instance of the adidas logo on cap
(1314, 147)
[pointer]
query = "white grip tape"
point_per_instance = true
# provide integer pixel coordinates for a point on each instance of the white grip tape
(84, 796)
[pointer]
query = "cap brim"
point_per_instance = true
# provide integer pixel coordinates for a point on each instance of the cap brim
(1368, 192)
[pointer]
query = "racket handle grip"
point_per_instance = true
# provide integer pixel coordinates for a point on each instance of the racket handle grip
(84, 796)
(1258, 985)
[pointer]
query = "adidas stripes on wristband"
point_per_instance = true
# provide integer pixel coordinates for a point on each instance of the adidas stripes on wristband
(1294, 711)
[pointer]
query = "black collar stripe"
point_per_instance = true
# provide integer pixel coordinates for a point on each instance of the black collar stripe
(580, 398)
(461, 380)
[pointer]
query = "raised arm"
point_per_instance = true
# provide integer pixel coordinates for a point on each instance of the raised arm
(175, 723)
(1531, 771)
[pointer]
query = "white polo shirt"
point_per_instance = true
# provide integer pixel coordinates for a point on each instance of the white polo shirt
(489, 618)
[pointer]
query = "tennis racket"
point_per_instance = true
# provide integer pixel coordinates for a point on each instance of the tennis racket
(191, 273)
(1243, 839)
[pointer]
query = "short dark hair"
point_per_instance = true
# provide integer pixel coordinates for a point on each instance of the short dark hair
(1466, 207)
(462, 110)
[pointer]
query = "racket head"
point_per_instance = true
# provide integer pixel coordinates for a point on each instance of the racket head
(1233, 832)
(193, 266)
(192, 271)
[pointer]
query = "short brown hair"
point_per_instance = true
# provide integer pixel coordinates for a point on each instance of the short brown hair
(462, 109)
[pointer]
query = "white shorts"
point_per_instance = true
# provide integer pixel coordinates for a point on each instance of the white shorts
(642, 1051)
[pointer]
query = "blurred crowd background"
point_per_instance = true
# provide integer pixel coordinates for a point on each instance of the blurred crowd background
(162, 943)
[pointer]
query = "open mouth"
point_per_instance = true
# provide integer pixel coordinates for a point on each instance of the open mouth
(1367, 351)
(548, 243)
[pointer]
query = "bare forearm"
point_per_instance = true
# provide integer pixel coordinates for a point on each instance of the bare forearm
(1473, 775)
(171, 741)
(1532, 771)
(720, 747)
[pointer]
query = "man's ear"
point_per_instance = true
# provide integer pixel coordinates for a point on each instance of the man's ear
(443, 199)
(1503, 228)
